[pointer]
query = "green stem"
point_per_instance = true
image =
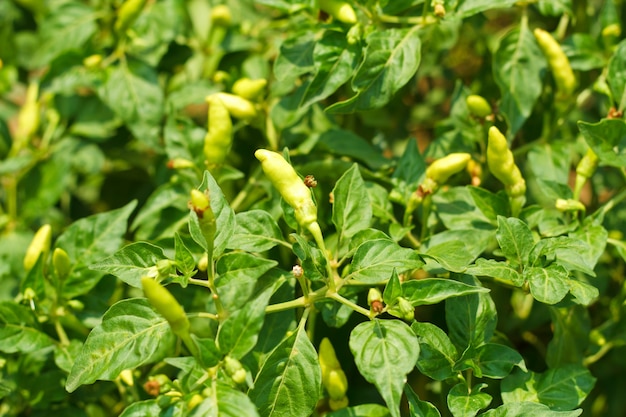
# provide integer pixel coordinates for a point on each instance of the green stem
(287, 305)
(426, 205)
(337, 297)
(604, 349)
(203, 315)
(618, 198)
(314, 229)
(65, 341)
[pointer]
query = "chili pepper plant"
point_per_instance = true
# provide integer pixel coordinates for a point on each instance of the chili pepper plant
(312, 208)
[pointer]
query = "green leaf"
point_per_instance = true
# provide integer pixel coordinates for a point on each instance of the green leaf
(437, 353)
(256, 231)
(392, 57)
(133, 92)
(86, 241)
(238, 334)
(411, 166)
(290, 380)
(515, 240)
(294, 59)
(434, 290)
(464, 401)
(566, 251)
(363, 410)
(472, 7)
(607, 138)
(335, 63)
(490, 204)
(471, 318)
(457, 210)
(584, 293)
(495, 269)
(548, 285)
(595, 236)
(451, 255)
(185, 261)
(19, 330)
(147, 408)
(583, 52)
(616, 75)
(555, 7)
(518, 67)
(312, 260)
(225, 401)
(131, 334)
(562, 388)
(496, 361)
(393, 289)
(524, 409)
(238, 274)
(224, 217)
(68, 27)
(385, 352)
(375, 261)
(346, 143)
(132, 262)
(352, 211)
(417, 407)
(571, 335)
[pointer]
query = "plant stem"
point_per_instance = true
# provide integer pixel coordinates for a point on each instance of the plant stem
(287, 305)
(243, 194)
(337, 297)
(604, 349)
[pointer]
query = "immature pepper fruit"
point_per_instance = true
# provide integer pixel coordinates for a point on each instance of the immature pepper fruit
(249, 89)
(333, 377)
(558, 62)
(39, 246)
(237, 106)
(478, 106)
(166, 305)
(219, 139)
(127, 14)
(290, 186)
(339, 10)
(585, 170)
(443, 168)
(502, 164)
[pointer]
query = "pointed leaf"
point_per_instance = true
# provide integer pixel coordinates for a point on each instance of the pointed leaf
(393, 289)
(548, 285)
(451, 255)
(496, 361)
(86, 241)
(256, 231)
(515, 239)
(375, 261)
(352, 211)
(495, 269)
(471, 318)
(434, 290)
(131, 334)
(616, 76)
(19, 330)
(385, 352)
(392, 57)
(225, 401)
(607, 138)
(518, 65)
(238, 334)
(437, 353)
(132, 262)
(466, 402)
(524, 409)
(417, 407)
(290, 380)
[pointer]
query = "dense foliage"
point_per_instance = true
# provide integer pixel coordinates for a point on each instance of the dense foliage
(434, 224)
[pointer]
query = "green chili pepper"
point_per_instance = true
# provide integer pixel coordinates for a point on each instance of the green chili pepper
(166, 305)
(290, 186)
(39, 246)
(585, 170)
(61, 263)
(127, 14)
(558, 62)
(237, 106)
(249, 89)
(502, 164)
(200, 204)
(218, 140)
(339, 10)
(28, 118)
(221, 16)
(333, 377)
(478, 106)
(443, 168)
